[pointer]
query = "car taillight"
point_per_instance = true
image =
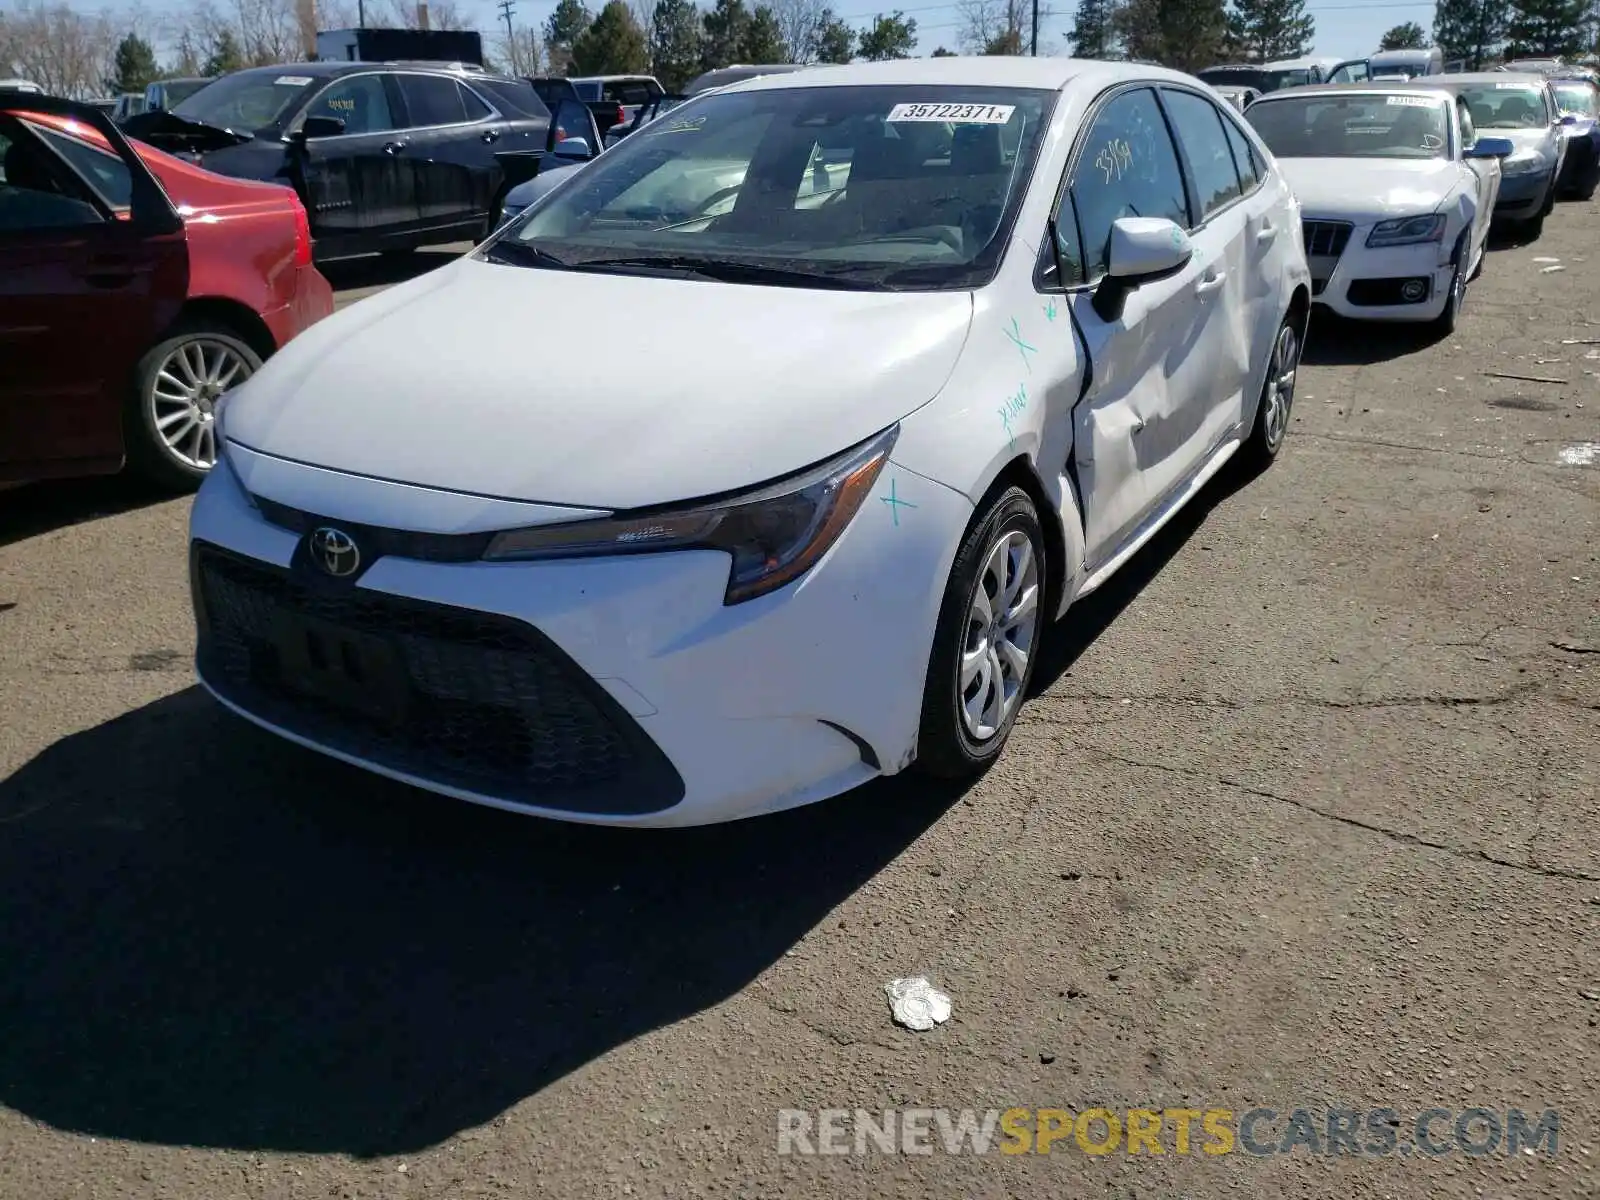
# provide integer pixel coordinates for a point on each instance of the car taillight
(302, 235)
(622, 116)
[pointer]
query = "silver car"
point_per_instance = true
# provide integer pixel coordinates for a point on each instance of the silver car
(1522, 109)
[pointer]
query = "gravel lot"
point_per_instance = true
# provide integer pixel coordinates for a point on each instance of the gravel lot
(1307, 815)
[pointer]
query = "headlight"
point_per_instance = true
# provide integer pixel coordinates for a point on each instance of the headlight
(1406, 231)
(1522, 165)
(774, 534)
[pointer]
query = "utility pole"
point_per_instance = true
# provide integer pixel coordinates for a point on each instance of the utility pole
(1035, 50)
(507, 9)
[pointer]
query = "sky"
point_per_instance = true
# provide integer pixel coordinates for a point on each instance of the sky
(1345, 28)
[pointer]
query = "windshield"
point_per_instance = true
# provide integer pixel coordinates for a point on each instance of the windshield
(1505, 106)
(182, 89)
(888, 186)
(250, 101)
(1352, 127)
(1255, 77)
(1576, 98)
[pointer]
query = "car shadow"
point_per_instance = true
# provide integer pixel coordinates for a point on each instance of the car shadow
(39, 508)
(213, 938)
(1069, 638)
(383, 270)
(1335, 341)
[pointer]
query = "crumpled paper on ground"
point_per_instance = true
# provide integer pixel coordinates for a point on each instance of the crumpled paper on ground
(917, 1004)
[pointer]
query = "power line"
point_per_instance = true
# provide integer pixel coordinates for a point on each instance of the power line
(507, 9)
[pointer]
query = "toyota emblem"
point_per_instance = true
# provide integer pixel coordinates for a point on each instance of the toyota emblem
(335, 551)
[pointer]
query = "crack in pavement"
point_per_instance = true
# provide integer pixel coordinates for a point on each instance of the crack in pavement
(1404, 839)
(1521, 692)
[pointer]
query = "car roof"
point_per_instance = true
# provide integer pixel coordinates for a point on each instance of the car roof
(975, 71)
(608, 78)
(1534, 79)
(332, 70)
(1369, 87)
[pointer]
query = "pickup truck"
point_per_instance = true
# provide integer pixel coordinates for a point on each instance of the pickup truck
(613, 99)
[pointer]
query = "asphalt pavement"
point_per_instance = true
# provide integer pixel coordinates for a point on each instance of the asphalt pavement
(1306, 815)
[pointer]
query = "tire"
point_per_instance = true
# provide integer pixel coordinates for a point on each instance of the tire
(194, 364)
(1533, 228)
(1445, 323)
(952, 743)
(1271, 427)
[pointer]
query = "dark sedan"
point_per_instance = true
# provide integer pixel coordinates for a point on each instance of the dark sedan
(385, 156)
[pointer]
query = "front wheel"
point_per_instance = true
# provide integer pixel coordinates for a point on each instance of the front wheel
(1445, 323)
(170, 436)
(1533, 228)
(1277, 400)
(986, 641)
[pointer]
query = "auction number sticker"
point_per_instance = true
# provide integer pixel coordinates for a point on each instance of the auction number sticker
(1411, 101)
(957, 114)
(293, 80)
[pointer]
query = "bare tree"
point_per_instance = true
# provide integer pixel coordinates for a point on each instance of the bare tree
(999, 26)
(64, 52)
(520, 53)
(403, 14)
(798, 23)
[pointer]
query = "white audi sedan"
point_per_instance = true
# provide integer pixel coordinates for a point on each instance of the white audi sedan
(962, 337)
(1397, 190)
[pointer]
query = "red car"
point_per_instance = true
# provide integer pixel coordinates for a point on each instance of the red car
(135, 288)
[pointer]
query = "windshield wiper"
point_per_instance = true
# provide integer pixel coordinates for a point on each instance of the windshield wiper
(729, 271)
(510, 252)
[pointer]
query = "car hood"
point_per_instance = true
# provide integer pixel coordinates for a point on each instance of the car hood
(1369, 189)
(509, 381)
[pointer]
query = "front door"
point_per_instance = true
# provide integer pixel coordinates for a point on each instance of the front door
(360, 184)
(84, 292)
(1162, 367)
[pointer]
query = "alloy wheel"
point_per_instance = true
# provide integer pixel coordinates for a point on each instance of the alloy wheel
(1001, 631)
(182, 404)
(1280, 384)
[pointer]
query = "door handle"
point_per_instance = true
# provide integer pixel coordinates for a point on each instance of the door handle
(1267, 232)
(491, 135)
(393, 147)
(1210, 284)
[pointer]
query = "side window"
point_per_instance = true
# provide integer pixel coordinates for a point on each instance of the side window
(36, 191)
(106, 173)
(1244, 156)
(431, 100)
(360, 102)
(1127, 167)
(476, 109)
(1198, 126)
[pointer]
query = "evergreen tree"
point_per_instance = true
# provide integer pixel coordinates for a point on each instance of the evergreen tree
(1092, 35)
(1265, 30)
(889, 37)
(724, 30)
(1469, 29)
(941, 52)
(675, 43)
(763, 38)
(135, 66)
(1543, 28)
(833, 41)
(225, 56)
(1409, 36)
(613, 44)
(1185, 34)
(562, 29)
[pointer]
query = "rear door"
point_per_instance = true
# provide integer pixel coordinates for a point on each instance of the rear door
(360, 184)
(452, 135)
(1149, 364)
(86, 287)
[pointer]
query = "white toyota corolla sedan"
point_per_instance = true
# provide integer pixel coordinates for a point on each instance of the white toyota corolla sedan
(1397, 191)
(963, 336)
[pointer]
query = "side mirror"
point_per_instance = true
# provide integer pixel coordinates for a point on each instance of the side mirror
(321, 127)
(1567, 119)
(573, 147)
(1142, 250)
(1491, 147)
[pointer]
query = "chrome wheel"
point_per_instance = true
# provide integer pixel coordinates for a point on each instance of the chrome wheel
(1281, 372)
(1002, 626)
(182, 402)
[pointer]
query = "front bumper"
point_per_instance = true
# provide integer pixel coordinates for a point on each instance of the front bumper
(612, 691)
(1522, 197)
(1365, 284)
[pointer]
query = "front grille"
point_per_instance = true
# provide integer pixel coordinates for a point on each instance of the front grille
(1325, 238)
(463, 699)
(377, 542)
